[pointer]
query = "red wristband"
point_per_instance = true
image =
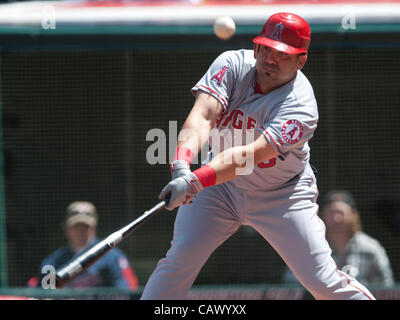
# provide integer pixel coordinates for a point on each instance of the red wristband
(206, 175)
(183, 153)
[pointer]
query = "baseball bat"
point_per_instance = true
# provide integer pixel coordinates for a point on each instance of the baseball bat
(84, 261)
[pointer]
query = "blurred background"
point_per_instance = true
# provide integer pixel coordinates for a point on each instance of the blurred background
(83, 82)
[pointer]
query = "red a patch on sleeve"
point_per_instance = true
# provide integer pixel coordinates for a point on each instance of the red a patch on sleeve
(219, 75)
(292, 131)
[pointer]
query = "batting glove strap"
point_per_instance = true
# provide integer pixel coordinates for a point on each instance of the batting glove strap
(194, 182)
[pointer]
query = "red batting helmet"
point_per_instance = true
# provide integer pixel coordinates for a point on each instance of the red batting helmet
(285, 32)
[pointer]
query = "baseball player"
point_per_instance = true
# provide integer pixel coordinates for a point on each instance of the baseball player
(263, 92)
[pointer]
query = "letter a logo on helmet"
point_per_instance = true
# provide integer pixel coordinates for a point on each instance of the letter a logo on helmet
(277, 33)
(285, 32)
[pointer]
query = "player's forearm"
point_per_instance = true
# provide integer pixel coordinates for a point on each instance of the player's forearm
(226, 166)
(195, 132)
(197, 127)
(235, 161)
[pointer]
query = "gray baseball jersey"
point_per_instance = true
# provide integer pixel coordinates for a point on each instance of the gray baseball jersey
(287, 117)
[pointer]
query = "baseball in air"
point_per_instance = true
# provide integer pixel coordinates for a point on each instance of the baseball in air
(224, 27)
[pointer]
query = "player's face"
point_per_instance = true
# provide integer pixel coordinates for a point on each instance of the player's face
(277, 67)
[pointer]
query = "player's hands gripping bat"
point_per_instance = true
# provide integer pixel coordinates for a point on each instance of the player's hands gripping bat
(181, 190)
(83, 262)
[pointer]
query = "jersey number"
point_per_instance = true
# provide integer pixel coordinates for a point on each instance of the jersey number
(267, 164)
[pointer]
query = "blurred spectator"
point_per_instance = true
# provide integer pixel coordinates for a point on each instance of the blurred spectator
(354, 252)
(112, 270)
